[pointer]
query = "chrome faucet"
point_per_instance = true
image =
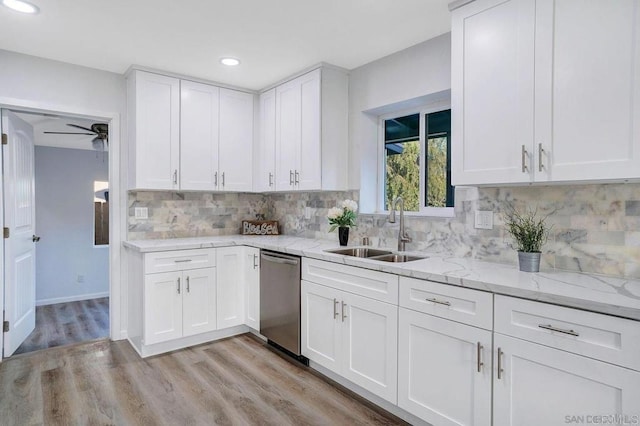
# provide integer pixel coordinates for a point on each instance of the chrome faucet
(403, 237)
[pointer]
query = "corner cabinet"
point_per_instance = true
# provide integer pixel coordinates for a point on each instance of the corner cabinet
(303, 133)
(187, 136)
(522, 112)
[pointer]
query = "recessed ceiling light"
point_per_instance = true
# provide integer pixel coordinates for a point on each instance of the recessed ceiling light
(230, 62)
(21, 6)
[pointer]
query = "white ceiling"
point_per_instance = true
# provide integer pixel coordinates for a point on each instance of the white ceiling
(54, 123)
(273, 39)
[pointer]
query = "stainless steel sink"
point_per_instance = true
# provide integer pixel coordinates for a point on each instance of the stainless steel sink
(360, 252)
(396, 258)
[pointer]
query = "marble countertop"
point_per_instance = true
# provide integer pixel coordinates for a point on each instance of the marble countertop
(608, 295)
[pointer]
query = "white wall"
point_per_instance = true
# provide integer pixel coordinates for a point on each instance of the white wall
(416, 75)
(64, 222)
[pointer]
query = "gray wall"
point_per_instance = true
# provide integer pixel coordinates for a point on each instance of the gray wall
(64, 221)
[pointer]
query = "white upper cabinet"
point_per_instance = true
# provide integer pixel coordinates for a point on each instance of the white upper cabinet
(236, 141)
(311, 131)
(545, 91)
(199, 120)
(154, 130)
(265, 158)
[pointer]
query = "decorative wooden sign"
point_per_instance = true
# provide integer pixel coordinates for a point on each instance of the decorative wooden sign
(260, 227)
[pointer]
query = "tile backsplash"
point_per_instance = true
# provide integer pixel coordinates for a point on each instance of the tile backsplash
(596, 228)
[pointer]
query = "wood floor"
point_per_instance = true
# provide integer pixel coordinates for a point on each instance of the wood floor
(68, 323)
(237, 381)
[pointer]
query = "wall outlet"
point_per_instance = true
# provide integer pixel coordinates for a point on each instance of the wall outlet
(484, 219)
(80, 279)
(142, 213)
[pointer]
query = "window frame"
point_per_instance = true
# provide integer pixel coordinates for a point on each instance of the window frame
(381, 172)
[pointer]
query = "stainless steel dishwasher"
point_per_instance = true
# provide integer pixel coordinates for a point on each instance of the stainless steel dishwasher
(280, 301)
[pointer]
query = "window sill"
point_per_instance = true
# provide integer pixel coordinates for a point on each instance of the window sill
(434, 212)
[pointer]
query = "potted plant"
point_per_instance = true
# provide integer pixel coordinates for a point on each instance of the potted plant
(530, 233)
(343, 218)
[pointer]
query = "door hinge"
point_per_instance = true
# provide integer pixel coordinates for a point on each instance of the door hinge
(5, 139)
(5, 232)
(5, 326)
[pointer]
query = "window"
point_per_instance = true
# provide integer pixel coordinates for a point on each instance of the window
(417, 161)
(101, 213)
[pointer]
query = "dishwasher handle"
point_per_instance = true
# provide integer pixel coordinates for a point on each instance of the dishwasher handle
(281, 260)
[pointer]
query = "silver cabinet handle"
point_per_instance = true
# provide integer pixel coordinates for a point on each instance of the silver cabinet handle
(215, 179)
(540, 152)
(270, 179)
(343, 314)
(175, 176)
(500, 370)
(178, 285)
(182, 260)
(559, 330)
(291, 177)
(335, 308)
(255, 261)
(525, 154)
(297, 180)
(223, 179)
(188, 288)
(479, 348)
(439, 302)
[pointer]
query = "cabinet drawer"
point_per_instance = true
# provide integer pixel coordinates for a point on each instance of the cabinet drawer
(603, 337)
(179, 260)
(365, 282)
(446, 301)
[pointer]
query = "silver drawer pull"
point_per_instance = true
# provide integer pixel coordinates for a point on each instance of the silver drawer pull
(183, 260)
(500, 369)
(335, 308)
(479, 348)
(439, 302)
(344, 305)
(559, 330)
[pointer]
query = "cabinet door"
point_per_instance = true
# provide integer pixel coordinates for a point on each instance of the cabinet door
(198, 135)
(252, 283)
(162, 307)
(492, 91)
(438, 377)
(288, 104)
(230, 285)
(370, 344)
(265, 159)
(544, 386)
(236, 141)
(321, 325)
(587, 89)
(309, 154)
(157, 131)
(199, 301)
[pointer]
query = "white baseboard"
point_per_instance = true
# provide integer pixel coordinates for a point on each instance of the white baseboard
(75, 298)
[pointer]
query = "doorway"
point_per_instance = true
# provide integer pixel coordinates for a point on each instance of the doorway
(69, 297)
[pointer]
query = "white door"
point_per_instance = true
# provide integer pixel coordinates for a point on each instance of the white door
(162, 307)
(236, 141)
(309, 160)
(252, 282)
(198, 136)
(492, 90)
(539, 385)
(370, 344)
(265, 158)
(288, 102)
(440, 378)
(587, 89)
(230, 286)
(19, 217)
(199, 301)
(321, 325)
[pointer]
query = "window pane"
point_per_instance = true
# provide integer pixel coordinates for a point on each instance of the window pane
(402, 128)
(403, 174)
(439, 192)
(101, 213)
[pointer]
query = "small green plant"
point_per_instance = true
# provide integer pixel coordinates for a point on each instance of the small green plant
(529, 231)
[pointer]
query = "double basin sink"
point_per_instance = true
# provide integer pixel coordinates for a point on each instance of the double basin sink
(375, 254)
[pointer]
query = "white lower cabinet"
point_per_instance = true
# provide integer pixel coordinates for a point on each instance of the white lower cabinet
(179, 304)
(539, 385)
(231, 294)
(252, 286)
(353, 336)
(444, 370)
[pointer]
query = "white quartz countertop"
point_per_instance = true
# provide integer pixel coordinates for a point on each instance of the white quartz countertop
(609, 295)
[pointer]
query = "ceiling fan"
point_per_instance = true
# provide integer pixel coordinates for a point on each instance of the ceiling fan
(101, 130)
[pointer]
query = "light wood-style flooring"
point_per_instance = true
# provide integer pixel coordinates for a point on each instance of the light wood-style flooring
(236, 381)
(68, 323)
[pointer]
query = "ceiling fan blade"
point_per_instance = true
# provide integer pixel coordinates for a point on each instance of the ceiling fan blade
(80, 127)
(69, 133)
